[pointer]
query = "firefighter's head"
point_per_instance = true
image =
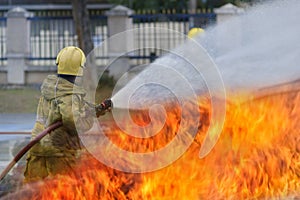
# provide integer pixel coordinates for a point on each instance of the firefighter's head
(195, 32)
(70, 61)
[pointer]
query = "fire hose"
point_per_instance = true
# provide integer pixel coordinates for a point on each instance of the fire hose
(100, 110)
(28, 146)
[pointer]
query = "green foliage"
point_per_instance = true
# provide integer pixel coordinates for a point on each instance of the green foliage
(156, 5)
(179, 5)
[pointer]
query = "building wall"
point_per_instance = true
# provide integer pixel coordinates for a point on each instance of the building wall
(3, 77)
(36, 77)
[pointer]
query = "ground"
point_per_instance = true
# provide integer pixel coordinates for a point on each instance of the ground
(25, 99)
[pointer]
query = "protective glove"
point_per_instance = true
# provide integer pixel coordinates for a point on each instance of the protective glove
(102, 108)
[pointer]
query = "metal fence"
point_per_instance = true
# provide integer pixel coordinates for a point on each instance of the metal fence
(99, 34)
(3, 57)
(49, 34)
(161, 39)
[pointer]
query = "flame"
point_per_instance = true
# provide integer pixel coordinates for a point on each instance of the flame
(256, 157)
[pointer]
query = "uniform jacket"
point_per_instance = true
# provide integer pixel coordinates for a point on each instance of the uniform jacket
(61, 100)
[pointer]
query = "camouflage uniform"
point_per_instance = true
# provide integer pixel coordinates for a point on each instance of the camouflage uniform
(56, 153)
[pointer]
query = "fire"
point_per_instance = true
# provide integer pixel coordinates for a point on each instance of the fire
(256, 157)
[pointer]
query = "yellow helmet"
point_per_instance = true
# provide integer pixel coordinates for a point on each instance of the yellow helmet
(70, 61)
(194, 32)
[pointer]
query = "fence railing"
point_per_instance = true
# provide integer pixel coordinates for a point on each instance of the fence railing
(3, 57)
(48, 34)
(160, 39)
(29, 45)
(99, 33)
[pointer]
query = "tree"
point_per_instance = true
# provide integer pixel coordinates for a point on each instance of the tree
(82, 25)
(179, 5)
(85, 42)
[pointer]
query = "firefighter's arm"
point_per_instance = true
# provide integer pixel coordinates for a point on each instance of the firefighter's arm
(75, 114)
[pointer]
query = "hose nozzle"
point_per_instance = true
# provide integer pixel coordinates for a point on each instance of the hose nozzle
(105, 106)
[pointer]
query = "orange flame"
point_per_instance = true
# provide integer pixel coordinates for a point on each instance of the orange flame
(256, 157)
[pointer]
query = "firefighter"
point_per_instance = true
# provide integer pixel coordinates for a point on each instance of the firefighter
(62, 99)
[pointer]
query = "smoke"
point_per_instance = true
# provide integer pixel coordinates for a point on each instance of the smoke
(258, 49)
